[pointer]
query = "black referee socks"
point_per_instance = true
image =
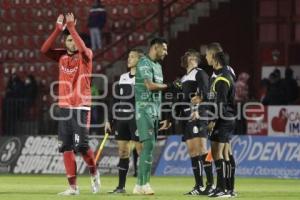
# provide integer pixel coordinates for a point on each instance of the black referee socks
(232, 166)
(220, 168)
(123, 169)
(208, 170)
(197, 170)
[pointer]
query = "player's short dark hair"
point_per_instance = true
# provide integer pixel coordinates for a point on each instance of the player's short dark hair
(137, 50)
(158, 40)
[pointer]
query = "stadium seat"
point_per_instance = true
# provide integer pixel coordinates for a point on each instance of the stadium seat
(2, 56)
(150, 9)
(8, 43)
(138, 13)
(7, 16)
(31, 55)
(151, 26)
(109, 56)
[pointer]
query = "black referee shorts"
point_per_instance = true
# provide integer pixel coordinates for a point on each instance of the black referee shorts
(73, 130)
(193, 129)
(223, 131)
(126, 130)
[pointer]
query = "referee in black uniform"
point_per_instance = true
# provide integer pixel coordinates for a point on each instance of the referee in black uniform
(123, 121)
(195, 86)
(222, 127)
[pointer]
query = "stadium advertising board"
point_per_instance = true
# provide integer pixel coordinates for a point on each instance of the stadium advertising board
(10, 148)
(284, 120)
(174, 160)
(257, 121)
(256, 156)
(39, 155)
(269, 156)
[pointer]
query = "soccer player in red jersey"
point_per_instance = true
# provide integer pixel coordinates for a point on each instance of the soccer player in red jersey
(75, 68)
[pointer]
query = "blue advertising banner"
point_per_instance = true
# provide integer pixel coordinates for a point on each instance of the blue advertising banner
(256, 156)
(174, 160)
(266, 156)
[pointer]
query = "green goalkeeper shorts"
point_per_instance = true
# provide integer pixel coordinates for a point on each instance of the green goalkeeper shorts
(147, 124)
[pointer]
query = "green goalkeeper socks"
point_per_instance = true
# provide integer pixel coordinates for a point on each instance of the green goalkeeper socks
(145, 164)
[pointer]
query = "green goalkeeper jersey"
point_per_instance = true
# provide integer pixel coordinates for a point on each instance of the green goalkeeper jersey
(144, 98)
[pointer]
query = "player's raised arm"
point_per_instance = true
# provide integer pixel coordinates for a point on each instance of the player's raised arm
(70, 21)
(46, 47)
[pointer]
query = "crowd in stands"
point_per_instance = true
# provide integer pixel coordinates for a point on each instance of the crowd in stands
(280, 91)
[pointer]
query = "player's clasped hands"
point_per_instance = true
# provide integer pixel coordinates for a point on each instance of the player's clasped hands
(70, 17)
(60, 20)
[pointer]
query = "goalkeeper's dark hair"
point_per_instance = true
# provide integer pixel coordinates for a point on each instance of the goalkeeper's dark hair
(158, 40)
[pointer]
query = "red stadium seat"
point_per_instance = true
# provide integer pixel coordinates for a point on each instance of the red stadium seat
(114, 13)
(20, 55)
(7, 16)
(138, 13)
(109, 56)
(31, 55)
(135, 2)
(2, 56)
(8, 43)
(6, 4)
(151, 26)
(151, 9)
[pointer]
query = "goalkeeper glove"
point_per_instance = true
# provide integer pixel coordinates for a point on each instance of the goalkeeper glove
(175, 85)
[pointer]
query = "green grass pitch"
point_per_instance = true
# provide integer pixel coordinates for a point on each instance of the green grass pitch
(45, 187)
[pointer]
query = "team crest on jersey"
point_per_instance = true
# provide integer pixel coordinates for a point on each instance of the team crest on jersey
(195, 130)
(151, 131)
(137, 116)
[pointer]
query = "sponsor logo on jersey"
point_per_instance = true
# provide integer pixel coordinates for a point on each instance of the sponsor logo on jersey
(68, 70)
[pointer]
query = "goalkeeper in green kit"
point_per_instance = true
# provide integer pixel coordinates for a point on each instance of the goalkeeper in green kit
(148, 87)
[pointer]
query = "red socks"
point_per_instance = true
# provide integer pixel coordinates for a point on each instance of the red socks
(70, 166)
(90, 161)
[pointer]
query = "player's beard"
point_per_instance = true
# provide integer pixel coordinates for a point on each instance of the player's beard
(72, 50)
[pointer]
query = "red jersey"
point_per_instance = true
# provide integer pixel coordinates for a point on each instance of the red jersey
(74, 71)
